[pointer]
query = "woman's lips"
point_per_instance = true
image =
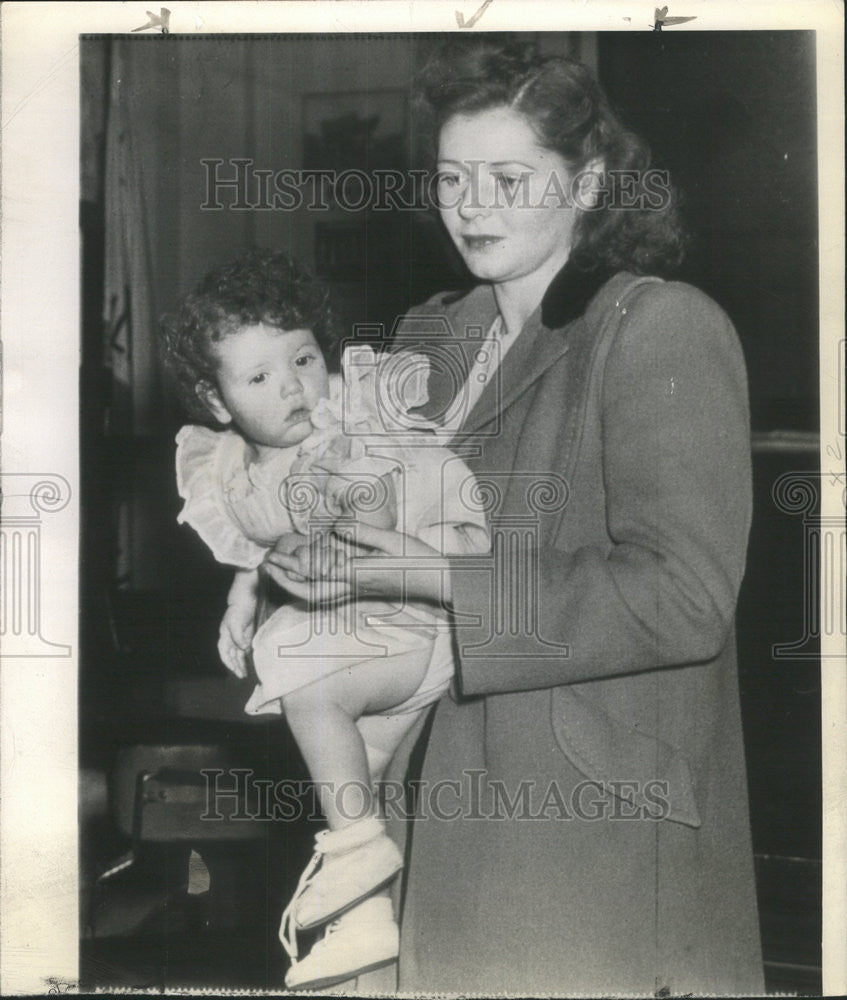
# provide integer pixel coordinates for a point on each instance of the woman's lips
(480, 242)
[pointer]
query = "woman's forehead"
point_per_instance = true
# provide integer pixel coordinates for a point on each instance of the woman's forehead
(498, 134)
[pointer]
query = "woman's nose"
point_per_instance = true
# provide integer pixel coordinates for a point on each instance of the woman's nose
(477, 197)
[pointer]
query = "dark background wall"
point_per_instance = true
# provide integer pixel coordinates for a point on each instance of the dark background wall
(732, 115)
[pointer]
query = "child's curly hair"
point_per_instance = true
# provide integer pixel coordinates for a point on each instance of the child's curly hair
(261, 286)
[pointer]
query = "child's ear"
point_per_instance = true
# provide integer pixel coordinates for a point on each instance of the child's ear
(211, 399)
(589, 181)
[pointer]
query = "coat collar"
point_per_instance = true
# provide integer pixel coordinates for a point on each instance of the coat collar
(541, 342)
(569, 293)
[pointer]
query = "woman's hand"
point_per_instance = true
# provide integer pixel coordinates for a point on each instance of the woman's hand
(290, 543)
(391, 565)
(396, 565)
(311, 571)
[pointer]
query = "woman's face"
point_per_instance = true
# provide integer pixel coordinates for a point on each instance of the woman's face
(506, 201)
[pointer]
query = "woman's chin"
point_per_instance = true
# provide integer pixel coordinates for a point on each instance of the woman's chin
(485, 270)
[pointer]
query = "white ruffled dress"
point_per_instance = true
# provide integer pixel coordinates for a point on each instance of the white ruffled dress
(363, 430)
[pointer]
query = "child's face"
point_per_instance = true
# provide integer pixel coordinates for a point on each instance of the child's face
(269, 381)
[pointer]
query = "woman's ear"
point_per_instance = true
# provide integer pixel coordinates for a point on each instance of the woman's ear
(588, 183)
(211, 399)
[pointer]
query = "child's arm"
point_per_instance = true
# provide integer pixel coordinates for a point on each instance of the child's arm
(379, 510)
(239, 621)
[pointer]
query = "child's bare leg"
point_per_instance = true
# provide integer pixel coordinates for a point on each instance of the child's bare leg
(323, 718)
(382, 735)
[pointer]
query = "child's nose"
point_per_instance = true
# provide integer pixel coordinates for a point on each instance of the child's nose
(290, 385)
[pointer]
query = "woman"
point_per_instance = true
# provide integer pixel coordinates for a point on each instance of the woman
(590, 830)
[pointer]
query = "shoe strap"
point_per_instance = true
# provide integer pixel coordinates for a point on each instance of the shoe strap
(287, 927)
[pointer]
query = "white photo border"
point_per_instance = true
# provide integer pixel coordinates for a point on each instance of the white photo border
(40, 333)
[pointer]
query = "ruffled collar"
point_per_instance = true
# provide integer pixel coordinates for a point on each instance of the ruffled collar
(376, 393)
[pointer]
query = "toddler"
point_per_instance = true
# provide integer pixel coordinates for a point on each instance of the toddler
(297, 449)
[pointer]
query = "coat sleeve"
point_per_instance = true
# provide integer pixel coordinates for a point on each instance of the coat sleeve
(676, 471)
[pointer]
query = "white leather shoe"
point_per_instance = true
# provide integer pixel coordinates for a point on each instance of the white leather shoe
(361, 940)
(349, 865)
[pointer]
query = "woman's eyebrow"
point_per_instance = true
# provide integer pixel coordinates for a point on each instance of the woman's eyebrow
(512, 163)
(492, 163)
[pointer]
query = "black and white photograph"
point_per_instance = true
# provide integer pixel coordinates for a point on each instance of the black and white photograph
(459, 554)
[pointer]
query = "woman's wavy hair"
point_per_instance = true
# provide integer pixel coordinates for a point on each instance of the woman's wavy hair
(259, 287)
(570, 114)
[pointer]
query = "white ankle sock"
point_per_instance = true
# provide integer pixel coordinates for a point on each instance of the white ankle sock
(348, 837)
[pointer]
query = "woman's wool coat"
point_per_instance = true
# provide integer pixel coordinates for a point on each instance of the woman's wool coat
(582, 803)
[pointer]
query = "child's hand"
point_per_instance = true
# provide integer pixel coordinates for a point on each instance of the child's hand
(236, 635)
(289, 544)
(290, 541)
(312, 572)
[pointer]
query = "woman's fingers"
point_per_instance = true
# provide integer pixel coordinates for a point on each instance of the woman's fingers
(287, 577)
(286, 572)
(391, 543)
(290, 564)
(288, 542)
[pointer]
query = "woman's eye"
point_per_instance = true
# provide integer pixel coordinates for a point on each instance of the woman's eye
(448, 180)
(508, 181)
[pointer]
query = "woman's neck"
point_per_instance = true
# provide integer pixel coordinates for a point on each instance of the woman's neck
(518, 299)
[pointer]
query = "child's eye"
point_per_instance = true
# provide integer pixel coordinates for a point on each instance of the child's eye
(303, 360)
(259, 378)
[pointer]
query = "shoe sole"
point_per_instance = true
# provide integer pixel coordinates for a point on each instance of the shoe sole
(325, 918)
(319, 984)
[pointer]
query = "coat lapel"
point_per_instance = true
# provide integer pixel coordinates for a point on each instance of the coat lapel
(534, 351)
(450, 338)
(544, 339)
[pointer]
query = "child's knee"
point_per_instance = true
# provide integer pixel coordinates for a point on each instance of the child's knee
(303, 703)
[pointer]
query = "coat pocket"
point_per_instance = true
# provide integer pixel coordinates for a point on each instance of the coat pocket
(620, 757)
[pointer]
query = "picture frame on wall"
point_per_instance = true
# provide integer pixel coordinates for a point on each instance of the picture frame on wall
(364, 131)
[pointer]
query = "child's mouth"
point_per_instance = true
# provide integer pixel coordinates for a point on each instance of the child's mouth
(299, 415)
